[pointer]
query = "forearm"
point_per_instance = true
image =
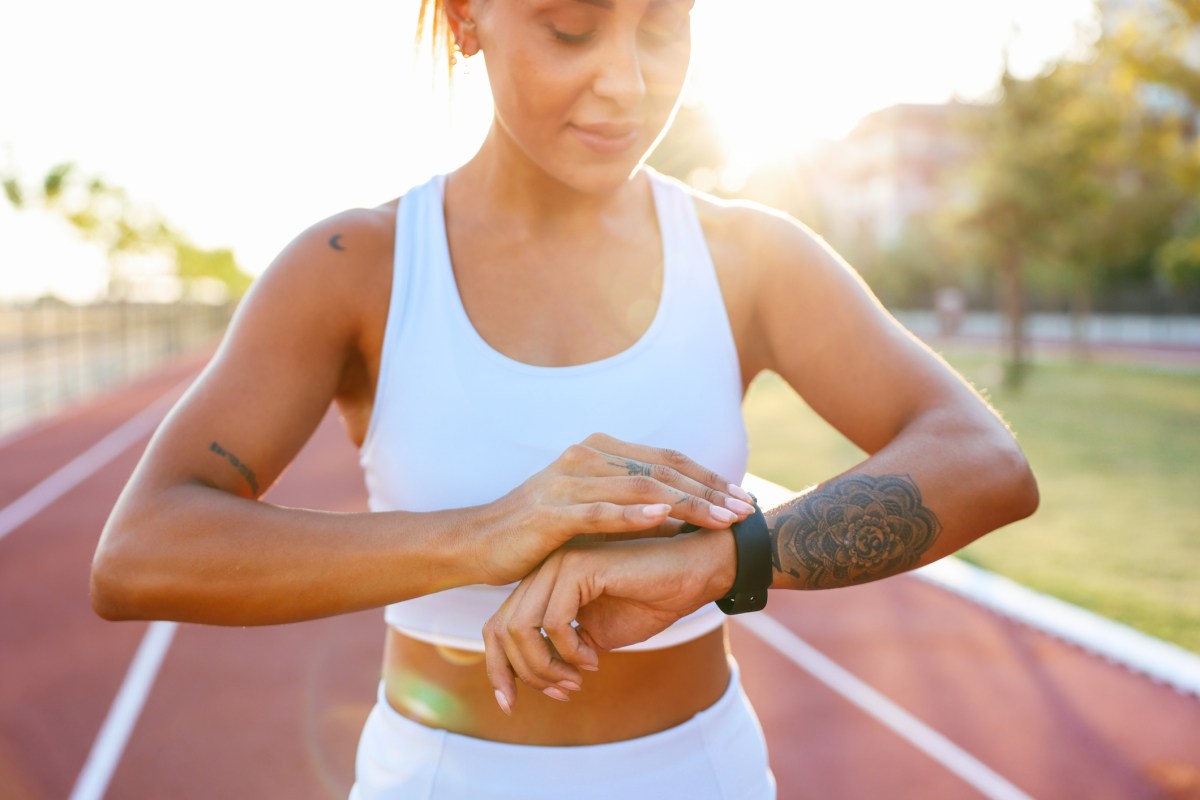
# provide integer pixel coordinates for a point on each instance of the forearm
(944, 480)
(937, 487)
(198, 554)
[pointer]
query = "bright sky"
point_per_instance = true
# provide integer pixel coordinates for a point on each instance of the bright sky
(243, 123)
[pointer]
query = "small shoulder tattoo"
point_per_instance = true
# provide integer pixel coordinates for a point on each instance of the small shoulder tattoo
(335, 242)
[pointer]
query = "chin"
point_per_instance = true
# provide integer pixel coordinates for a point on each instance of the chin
(590, 174)
(600, 178)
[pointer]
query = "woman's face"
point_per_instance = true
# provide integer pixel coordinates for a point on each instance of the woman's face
(584, 88)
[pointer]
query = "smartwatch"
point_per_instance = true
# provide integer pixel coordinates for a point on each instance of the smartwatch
(755, 572)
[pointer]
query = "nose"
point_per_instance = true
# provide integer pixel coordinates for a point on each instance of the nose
(620, 76)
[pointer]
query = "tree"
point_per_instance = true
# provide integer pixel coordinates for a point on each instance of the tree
(1077, 185)
(1014, 199)
(194, 263)
(124, 229)
(1158, 50)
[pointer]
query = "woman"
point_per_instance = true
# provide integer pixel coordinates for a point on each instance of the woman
(475, 334)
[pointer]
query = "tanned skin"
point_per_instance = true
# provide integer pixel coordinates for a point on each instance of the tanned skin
(852, 530)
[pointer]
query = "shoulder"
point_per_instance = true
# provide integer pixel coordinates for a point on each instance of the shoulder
(325, 289)
(345, 252)
(342, 243)
(770, 265)
(754, 237)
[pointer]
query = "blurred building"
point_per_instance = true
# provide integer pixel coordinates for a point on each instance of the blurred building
(898, 164)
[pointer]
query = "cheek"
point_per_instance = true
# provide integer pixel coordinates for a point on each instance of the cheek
(666, 73)
(533, 90)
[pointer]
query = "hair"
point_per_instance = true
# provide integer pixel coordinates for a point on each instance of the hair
(433, 22)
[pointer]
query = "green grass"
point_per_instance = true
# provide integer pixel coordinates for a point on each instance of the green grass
(1116, 450)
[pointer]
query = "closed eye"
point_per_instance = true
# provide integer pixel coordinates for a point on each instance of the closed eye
(572, 38)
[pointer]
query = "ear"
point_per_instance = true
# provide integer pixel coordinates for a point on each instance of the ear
(461, 16)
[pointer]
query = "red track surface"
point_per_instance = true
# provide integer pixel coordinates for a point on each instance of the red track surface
(275, 712)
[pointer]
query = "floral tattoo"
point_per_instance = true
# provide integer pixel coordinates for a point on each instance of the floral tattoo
(855, 529)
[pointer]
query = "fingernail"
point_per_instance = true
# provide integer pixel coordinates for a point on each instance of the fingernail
(570, 686)
(740, 493)
(502, 701)
(555, 693)
(656, 511)
(738, 507)
(722, 515)
(589, 667)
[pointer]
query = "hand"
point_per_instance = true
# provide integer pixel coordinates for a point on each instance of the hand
(601, 486)
(619, 594)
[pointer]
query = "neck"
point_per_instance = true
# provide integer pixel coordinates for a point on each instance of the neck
(517, 192)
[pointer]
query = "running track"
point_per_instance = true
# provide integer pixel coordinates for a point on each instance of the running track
(951, 700)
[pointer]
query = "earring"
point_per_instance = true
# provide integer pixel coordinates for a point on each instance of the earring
(468, 28)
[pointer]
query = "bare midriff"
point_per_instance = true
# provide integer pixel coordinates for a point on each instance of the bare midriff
(633, 694)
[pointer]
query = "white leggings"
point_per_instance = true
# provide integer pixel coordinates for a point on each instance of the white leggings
(719, 754)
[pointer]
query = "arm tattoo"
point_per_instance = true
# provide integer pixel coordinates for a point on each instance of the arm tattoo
(631, 467)
(237, 464)
(853, 530)
(335, 242)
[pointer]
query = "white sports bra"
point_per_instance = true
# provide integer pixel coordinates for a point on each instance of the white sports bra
(457, 423)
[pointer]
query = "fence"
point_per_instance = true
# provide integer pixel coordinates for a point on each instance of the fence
(1171, 331)
(54, 354)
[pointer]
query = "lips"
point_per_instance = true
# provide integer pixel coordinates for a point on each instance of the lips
(607, 138)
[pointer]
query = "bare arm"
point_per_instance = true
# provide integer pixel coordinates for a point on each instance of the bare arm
(942, 470)
(190, 540)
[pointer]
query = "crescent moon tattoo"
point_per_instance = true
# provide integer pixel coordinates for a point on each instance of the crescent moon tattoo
(335, 242)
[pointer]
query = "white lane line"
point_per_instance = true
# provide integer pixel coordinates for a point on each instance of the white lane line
(110, 743)
(917, 733)
(37, 499)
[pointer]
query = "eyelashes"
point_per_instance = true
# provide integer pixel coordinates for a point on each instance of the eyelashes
(658, 34)
(573, 38)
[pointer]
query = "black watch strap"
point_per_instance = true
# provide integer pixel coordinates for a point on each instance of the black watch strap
(754, 567)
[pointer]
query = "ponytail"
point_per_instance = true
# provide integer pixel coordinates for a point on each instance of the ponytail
(433, 22)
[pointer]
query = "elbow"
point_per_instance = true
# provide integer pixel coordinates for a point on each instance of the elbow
(119, 567)
(109, 588)
(1020, 486)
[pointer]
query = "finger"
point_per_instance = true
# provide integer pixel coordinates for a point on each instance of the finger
(530, 653)
(566, 595)
(500, 672)
(710, 506)
(605, 517)
(562, 606)
(669, 527)
(690, 501)
(721, 504)
(500, 675)
(667, 457)
(587, 638)
(533, 660)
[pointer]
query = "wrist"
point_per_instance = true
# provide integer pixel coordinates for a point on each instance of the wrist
(716, 561)
(754, 575)
(480, 529)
